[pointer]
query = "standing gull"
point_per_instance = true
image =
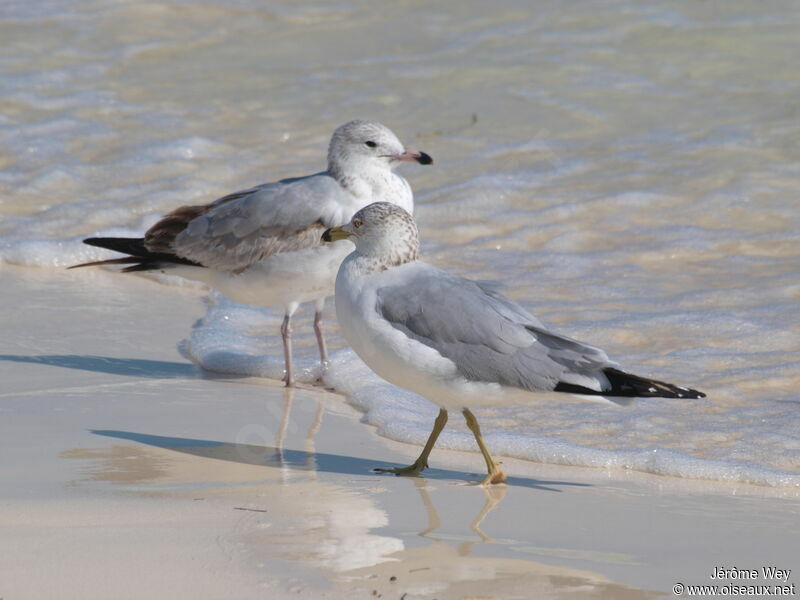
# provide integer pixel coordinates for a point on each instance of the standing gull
(262, 245)
(455, 341)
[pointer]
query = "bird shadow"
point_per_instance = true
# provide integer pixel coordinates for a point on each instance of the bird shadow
(130, 367)
(301, 460)
(134, 367)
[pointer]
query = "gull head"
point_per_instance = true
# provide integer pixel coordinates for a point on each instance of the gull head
(382, 231)
(360, 145)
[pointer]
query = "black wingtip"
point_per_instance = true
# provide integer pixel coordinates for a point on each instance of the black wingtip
(137, 252)
(113, 261)
(132, 246)
(627, 385)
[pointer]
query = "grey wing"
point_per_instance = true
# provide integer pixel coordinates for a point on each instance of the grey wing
(510, 308)
(488, 336)
(242, 228)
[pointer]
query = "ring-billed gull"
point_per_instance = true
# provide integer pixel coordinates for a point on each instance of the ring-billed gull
(455, 341)
(262, 245)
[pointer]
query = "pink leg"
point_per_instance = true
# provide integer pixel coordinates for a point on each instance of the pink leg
(323, 349)
(286, 334)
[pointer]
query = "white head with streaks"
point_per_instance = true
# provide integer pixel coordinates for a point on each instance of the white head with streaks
(381, 231)
(359, 146)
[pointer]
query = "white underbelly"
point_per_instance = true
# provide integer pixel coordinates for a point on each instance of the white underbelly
(279, 280)
(414, 366)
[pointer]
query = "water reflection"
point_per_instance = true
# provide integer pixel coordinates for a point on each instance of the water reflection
(493, 496)
(286, 467)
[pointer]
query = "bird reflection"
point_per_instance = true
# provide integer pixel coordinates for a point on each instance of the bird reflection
(493, 496)
(290, 469)
(287, 467)
(434, 522)
(312, 431)
(280, 435)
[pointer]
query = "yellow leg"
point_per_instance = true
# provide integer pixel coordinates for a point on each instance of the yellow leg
(495, 474)
(421, 462)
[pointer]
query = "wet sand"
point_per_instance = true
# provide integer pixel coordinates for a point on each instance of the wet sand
(128, 472)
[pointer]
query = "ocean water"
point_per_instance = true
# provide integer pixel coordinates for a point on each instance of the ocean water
(629, 173)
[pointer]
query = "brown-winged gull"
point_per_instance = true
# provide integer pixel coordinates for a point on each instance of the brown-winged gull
(262, 245)
(458, 342)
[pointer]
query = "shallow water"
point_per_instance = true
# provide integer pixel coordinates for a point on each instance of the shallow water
(630, 173)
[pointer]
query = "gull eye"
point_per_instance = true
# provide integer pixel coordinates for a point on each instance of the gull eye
(357, 223)
(371, 144)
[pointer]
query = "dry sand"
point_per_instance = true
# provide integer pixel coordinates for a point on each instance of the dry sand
(128, 473)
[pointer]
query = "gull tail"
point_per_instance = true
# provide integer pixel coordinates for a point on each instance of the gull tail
(627, 385)
(139, 257)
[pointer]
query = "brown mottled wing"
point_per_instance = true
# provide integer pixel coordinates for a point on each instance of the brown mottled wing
(160, 237)
(242, 228)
